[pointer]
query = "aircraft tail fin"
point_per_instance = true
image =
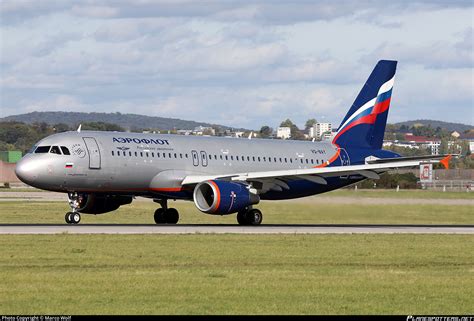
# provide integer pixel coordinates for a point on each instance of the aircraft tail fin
(364, 124)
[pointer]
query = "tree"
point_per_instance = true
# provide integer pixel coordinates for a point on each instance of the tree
(287, 123)
(295, 132)
(310, 123)
(266, 131)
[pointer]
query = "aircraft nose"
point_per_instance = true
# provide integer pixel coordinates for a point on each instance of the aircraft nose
(26, 171)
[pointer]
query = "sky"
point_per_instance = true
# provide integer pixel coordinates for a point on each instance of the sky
(235, 63)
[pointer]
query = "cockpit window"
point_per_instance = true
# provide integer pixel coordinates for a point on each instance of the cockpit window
(55, 150)
(42, 149)
(65, 150)
(32, 150)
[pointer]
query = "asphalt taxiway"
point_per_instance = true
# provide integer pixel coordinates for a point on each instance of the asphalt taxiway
(232, 229)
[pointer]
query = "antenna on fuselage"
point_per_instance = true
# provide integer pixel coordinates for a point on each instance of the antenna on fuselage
(250, 135)
(313, 139)
(79, 128)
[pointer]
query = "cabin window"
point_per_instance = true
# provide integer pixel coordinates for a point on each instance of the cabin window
(65, 150)
(236, 157)
(169, 154)
(307, 162)
(215, 157)
(136, 155)
(112, 153)
(231, 157)
(253, 157)
(118, 153)
(175, 156)
(301, 160)
(248, 158)
(180, 155)
(291, 160)
(153, 154)
(258, 158)
(186, 155)
(226, 157)
(146, 154)
(141, 154)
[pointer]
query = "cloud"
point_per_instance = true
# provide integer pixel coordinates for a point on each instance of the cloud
(264, 12)
(440, 54)
(240, 64)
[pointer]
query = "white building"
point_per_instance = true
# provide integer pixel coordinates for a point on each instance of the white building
(319, 129)
(284, 132)
(201, 130)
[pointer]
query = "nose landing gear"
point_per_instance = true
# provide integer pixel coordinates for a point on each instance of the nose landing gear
(73, 217)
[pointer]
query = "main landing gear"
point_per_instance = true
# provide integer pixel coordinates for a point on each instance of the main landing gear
(73, 217)
(165, 215)
(249, 216)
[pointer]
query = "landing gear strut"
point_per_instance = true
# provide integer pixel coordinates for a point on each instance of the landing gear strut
(249, 216)
(73, 217)
(165, 215)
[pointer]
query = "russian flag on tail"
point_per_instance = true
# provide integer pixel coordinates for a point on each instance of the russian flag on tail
(364, 124)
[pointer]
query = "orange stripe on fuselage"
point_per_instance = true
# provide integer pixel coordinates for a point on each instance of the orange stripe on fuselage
(332, 159)
(166, 189)
(218, 195)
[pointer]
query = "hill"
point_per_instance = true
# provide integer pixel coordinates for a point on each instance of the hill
(437, 123)
(127, 121)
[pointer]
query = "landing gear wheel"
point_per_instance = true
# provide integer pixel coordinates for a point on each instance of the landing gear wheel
(254, 217)
(171, 216)
(72, 218)
(241, 218)
(159, 216)
(75, 218)
(250, 217)
(67, 217)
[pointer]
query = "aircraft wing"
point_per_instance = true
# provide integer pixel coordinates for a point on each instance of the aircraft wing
(275, 180)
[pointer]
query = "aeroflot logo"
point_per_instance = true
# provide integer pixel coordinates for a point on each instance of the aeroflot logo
(123, 140)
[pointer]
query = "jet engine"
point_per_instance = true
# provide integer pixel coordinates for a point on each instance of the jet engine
(97, 203)
(223, 197)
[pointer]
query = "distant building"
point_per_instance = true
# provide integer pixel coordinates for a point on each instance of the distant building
(431, 143)
(185, 132)
(284, 132)
(320, 129)
(11, 156)
(8, 161)
(455, 134)
(201, 130)
(238, 134)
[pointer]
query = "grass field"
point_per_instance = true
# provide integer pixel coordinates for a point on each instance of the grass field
(241, 274)
(237, 274)
(274, 213)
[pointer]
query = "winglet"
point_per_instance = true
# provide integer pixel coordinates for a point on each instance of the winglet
(79, 128)
(445, 161)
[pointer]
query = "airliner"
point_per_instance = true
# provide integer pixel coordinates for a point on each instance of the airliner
(101, 171)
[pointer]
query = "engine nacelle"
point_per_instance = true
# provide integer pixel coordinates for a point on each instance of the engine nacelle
(97, 203)
(222, 197)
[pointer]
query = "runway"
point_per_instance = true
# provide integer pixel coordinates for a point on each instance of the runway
(233, 229)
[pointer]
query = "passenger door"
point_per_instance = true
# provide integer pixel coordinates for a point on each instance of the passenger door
(94, 152)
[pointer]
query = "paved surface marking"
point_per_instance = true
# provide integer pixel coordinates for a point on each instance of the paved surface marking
(233, 229)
